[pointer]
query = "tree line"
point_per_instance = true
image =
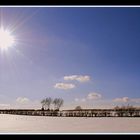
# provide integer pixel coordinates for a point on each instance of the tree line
(57, 103)
(128, 110)
(127, 107)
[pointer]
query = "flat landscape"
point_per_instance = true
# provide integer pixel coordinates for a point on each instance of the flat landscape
(42, 124)
(74, 62)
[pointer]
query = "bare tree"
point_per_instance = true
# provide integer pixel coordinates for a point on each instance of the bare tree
(116, 107)
(128, 110)
(48, 102)
(78, 108)
(58, 102)
(43, 103)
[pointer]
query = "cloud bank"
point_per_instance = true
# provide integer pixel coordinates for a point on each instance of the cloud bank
(127, 99)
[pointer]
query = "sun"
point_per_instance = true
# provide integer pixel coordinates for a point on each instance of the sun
(7, 40)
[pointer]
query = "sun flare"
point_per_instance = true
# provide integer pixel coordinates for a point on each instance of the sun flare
(6, 39)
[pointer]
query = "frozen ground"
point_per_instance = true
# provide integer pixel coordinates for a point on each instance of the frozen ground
(41, 124)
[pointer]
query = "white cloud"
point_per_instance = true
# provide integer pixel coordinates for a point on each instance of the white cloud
(25, 103)
(136, 100)
(126, 99)
(4, 105)
(94, 96)
(123, 99)
(22, 100)
(83, 100)
(76, 99)
(64, 86)
(80, 100)
(78, 78)
(90, 96)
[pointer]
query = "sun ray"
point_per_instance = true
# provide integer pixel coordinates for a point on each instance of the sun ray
(20, 22)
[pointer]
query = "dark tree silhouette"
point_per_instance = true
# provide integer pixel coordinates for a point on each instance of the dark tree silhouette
(58, 102)
(48, 102)
(78, 108)
(43, 104)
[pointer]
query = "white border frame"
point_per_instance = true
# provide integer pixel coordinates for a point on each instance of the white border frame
(76, 6)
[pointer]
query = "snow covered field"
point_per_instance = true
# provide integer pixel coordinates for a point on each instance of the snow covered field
(42, 124)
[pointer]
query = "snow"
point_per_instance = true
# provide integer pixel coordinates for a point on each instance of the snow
(44, 124)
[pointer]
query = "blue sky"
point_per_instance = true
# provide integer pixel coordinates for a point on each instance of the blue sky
(51, 43)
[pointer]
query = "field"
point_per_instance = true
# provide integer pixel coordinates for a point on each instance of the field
(41, 124)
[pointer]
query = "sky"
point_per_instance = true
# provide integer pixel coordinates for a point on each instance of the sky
(89, 56)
